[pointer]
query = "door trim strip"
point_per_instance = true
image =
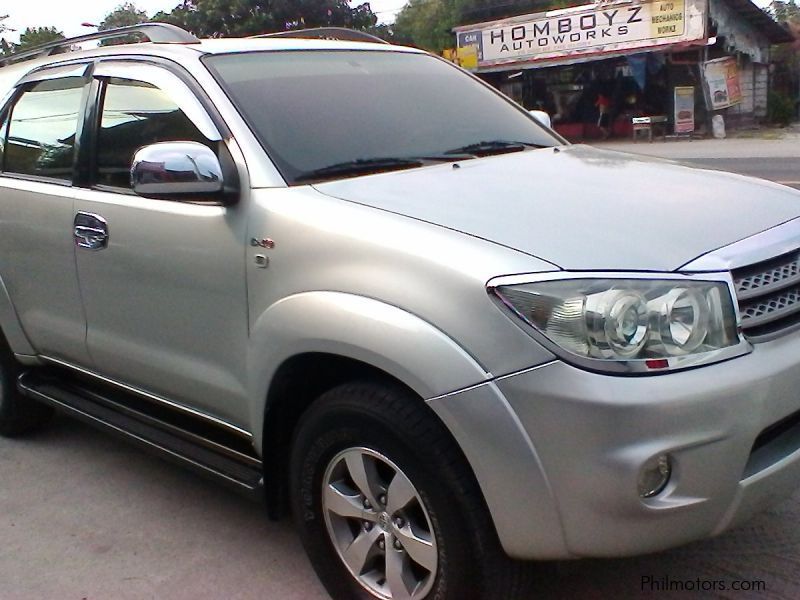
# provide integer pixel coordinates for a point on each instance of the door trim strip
(153, 397)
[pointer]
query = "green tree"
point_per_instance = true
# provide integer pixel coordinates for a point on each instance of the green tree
(785, 80)
(428, 24)
(785, 11)
(36, 36)
(5, 47)
(232, 18)
(124, 15)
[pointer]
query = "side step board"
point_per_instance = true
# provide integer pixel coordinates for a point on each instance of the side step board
(130, 418)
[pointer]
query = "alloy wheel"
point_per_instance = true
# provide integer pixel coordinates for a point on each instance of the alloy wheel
(379, 525)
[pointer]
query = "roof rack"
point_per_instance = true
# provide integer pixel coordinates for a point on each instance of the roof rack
(327, 33)
(158, 33)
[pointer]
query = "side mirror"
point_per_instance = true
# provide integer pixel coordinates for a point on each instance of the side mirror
(542, 117)
(177, 170)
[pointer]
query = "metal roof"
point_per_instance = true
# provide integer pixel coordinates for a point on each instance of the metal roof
(761, 21)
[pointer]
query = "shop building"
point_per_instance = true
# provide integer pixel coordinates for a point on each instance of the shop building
(594, 68)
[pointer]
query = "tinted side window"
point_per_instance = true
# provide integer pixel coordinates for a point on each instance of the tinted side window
(41, 133)
(136, 114)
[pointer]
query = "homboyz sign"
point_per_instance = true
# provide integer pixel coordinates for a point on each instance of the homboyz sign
(594, 28)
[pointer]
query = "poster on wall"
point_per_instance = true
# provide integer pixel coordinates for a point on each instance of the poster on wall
(722, 79)
(684, 109)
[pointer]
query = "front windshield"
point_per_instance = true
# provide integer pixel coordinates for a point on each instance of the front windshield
(318, 111)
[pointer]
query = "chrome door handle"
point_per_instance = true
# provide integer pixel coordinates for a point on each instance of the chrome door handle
(90, 231)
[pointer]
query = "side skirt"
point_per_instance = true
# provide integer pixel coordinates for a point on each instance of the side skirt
(195, 444)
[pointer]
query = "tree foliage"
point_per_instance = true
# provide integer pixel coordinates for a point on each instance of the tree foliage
(36, 36)
(5, 47)
(785, 84)
(428, 24)
(785, 11)
(231, 18)
(124, 15)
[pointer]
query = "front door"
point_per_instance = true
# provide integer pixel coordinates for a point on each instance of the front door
(165, 293)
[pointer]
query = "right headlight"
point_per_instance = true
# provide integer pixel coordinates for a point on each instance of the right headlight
(623, 323)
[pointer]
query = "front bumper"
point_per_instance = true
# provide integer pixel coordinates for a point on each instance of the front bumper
(558, 451)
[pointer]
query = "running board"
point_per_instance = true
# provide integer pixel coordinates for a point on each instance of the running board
(111, 412)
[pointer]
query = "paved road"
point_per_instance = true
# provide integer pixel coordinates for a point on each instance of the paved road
(774, 159)
(85, 516)
(782, 170)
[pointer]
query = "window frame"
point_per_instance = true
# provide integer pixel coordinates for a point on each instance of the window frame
(103, 78)
(88, 119)
(115, 67)
(79, 70)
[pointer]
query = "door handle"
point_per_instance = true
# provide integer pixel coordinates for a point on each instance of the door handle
(90, 231)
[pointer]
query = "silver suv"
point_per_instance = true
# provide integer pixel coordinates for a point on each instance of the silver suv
(353, 279)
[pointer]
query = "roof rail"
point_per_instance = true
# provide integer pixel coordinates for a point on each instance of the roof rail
(158, 33)
(327, 33)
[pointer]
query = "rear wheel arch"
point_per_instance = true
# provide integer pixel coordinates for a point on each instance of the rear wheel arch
(18, 415)
(10, 327)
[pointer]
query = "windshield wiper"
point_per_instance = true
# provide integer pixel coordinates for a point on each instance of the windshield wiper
(486, 148)
(361, 166)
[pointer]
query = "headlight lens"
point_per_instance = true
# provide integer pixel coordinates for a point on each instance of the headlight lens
(657, 322)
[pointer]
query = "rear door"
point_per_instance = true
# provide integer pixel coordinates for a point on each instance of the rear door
(39, 129)
(165, 297)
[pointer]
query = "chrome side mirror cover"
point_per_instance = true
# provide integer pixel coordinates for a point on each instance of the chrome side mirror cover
(177, 170)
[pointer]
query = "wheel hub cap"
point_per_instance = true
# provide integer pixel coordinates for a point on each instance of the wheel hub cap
(379, 525)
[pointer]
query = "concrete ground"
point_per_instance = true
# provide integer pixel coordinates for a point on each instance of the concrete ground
(769, 154)
(784, 145)
(86, 516)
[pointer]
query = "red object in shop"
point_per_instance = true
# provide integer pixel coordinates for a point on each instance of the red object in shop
(576, 132)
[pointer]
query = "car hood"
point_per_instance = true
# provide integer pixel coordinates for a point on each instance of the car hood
(581, 208)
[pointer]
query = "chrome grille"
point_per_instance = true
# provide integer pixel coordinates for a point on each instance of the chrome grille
(769, 294)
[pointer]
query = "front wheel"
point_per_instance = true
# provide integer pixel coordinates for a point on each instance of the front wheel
(386, 504)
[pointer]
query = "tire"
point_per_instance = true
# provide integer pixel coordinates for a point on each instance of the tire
(385, 438)
(18, 415)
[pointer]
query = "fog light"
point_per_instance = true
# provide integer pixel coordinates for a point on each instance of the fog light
(654, 476)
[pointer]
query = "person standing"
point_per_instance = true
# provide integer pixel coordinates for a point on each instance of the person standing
(603, 118)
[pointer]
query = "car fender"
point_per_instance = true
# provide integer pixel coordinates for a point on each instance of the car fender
(10, 325)
(364, 329)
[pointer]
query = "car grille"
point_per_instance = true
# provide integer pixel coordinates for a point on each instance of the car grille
(769, 295)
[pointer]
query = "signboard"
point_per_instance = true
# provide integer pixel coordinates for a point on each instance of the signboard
(684, 109)
(722, 79)
(589, 29)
